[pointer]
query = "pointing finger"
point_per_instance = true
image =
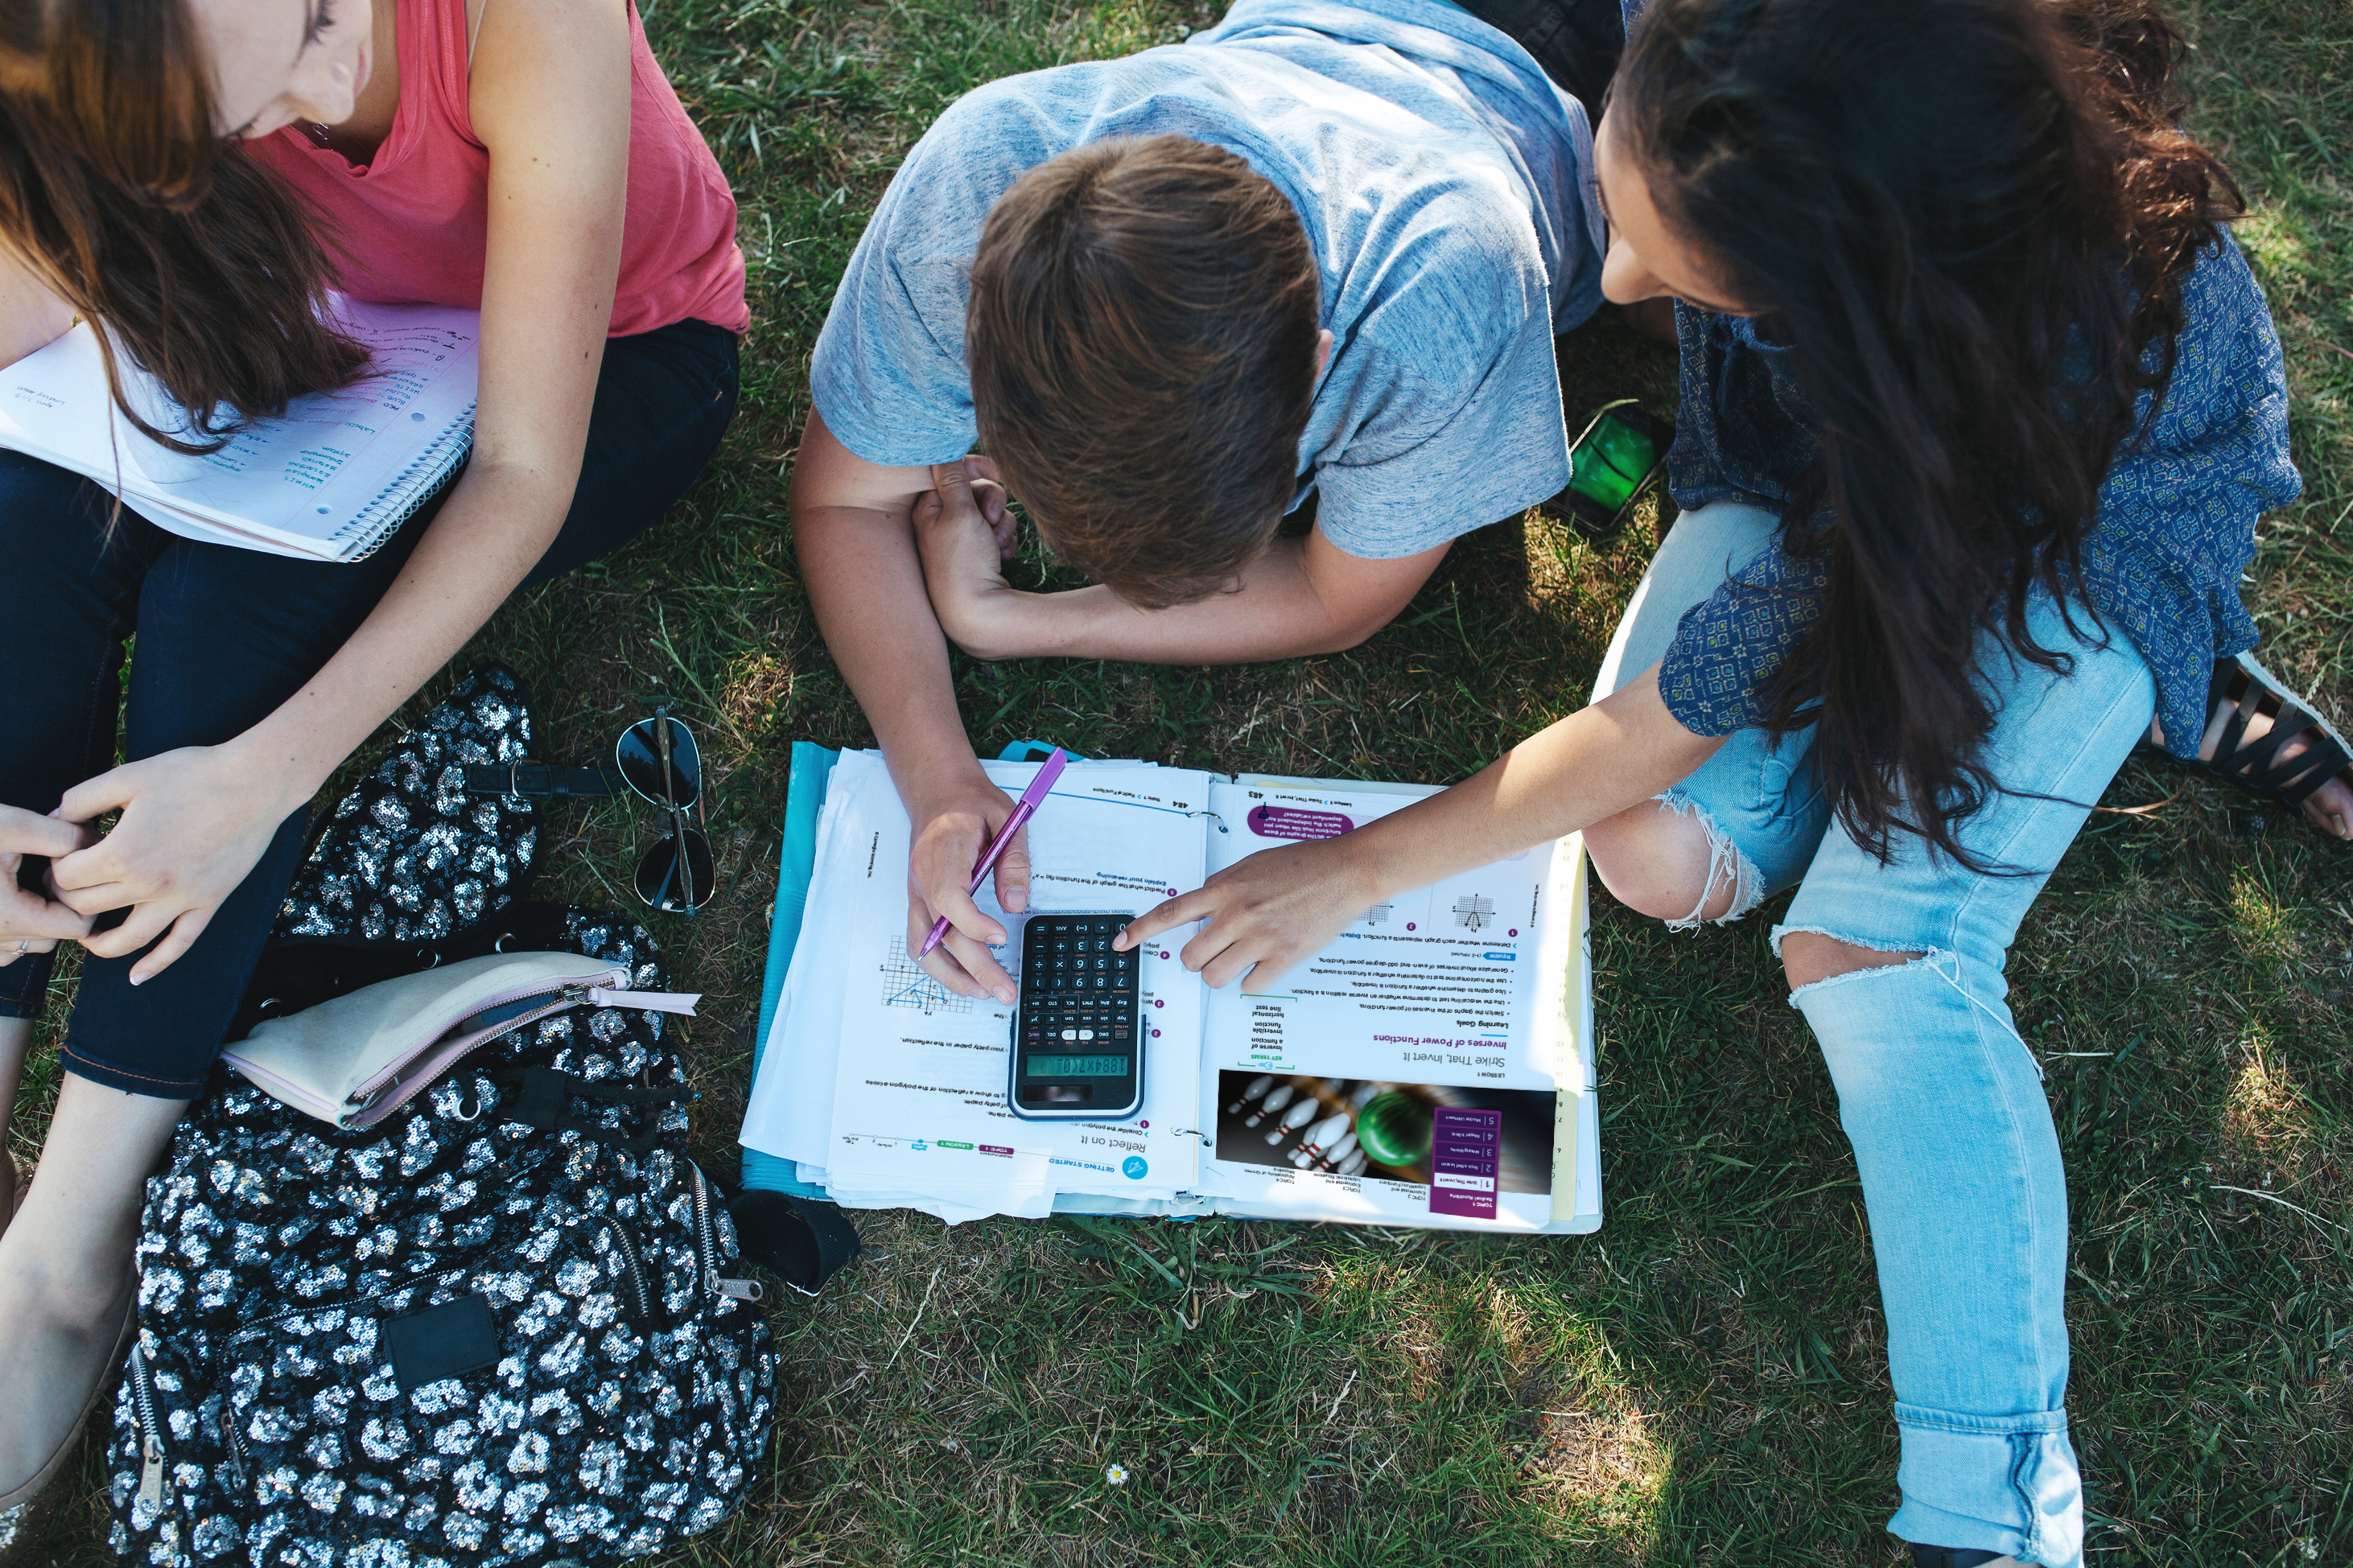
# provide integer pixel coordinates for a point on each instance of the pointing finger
(1198, 904)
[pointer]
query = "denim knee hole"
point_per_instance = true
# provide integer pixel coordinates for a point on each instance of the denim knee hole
(1726, 867)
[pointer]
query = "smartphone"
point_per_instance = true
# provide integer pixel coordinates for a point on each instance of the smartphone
(1078, 1038)
(1609, 467)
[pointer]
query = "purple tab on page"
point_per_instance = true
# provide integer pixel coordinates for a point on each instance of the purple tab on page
(1287, 822)
(1465, 1158)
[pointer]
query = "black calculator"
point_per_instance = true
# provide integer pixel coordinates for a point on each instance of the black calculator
(1078, 1041)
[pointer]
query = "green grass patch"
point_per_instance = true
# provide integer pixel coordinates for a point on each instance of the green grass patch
(1703, 1381)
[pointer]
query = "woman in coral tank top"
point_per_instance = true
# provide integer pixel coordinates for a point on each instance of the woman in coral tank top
(196, 175)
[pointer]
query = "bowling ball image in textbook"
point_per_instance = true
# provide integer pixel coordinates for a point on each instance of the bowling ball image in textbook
(1373, 1129)
(1393, 1129)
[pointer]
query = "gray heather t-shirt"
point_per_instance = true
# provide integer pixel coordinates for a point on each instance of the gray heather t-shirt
(1442, 179)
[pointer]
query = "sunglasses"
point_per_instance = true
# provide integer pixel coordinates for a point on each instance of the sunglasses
(657, 758)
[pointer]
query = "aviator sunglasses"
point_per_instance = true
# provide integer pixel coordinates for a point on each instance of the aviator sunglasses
(657, 758)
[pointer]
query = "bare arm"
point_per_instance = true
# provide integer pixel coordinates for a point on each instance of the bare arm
(1301, 597)
(549, 97)
(851, 528)
(1280, 906)
(30, 316)
(851, 525)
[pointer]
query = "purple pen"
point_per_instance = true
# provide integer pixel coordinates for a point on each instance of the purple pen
(1023, 810)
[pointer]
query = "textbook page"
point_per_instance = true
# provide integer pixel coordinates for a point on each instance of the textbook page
(919, 1095)
(1405, 1074)
(323, 479)
(790, 1113)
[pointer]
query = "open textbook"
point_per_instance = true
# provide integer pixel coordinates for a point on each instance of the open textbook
(1432, 1066)
(328, 479)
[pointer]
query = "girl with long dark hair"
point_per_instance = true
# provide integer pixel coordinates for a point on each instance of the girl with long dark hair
(193, 176)
(1980, 404)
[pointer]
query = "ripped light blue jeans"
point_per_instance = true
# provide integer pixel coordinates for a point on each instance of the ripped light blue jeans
(1941, 1099)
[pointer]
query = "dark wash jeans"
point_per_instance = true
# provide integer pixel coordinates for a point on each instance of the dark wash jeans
(228, 635)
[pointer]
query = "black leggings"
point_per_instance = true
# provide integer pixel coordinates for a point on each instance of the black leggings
(228, 635)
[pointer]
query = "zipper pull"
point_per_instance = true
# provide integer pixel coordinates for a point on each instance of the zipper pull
(649, 1001)
(151, 1469)
(739, 1290)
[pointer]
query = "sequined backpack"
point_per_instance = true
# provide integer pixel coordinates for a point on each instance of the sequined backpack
(500, 1326)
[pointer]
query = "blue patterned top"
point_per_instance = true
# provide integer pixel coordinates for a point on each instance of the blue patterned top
(2161, 562)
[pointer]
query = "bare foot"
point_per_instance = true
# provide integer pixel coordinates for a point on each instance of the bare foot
(2328, 808)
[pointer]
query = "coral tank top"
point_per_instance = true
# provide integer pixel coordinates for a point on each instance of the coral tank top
(415, 220)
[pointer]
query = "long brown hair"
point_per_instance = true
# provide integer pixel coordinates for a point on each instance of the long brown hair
(1972, 218)
(1141, 341)
(121, 196)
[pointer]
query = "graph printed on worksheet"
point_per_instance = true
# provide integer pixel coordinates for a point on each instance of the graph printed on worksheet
(904, 984)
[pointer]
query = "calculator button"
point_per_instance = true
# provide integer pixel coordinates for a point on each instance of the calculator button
(1086, 1034)
(1070, 1033)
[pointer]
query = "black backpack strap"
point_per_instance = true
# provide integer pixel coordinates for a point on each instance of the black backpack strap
(299, 972)
(543, 1097)
(803, 1241)
(540, 780)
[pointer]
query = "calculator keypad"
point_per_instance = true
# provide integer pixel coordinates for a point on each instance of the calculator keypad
(1075, 991)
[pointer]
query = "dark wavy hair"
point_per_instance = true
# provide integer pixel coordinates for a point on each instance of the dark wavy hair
(1972, 219)
(120, 193)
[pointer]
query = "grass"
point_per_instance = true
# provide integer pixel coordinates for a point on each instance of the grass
(1703, 1381)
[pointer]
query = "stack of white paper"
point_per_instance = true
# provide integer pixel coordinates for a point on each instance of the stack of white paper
(910, 1110)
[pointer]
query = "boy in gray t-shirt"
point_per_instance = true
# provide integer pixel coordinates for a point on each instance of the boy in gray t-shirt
(1318, 248)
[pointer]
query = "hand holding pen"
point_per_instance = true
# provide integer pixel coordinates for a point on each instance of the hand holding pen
(966, 933)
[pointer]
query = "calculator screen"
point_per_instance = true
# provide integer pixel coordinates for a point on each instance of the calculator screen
(1078, 1067)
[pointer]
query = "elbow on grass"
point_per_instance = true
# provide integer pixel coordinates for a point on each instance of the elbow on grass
(988, 650)
(1341, 635)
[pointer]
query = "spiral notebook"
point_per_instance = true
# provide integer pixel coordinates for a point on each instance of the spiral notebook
(329, 480)
(1433, 1066)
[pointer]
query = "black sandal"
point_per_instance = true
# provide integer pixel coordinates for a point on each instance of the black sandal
(2254, 765)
